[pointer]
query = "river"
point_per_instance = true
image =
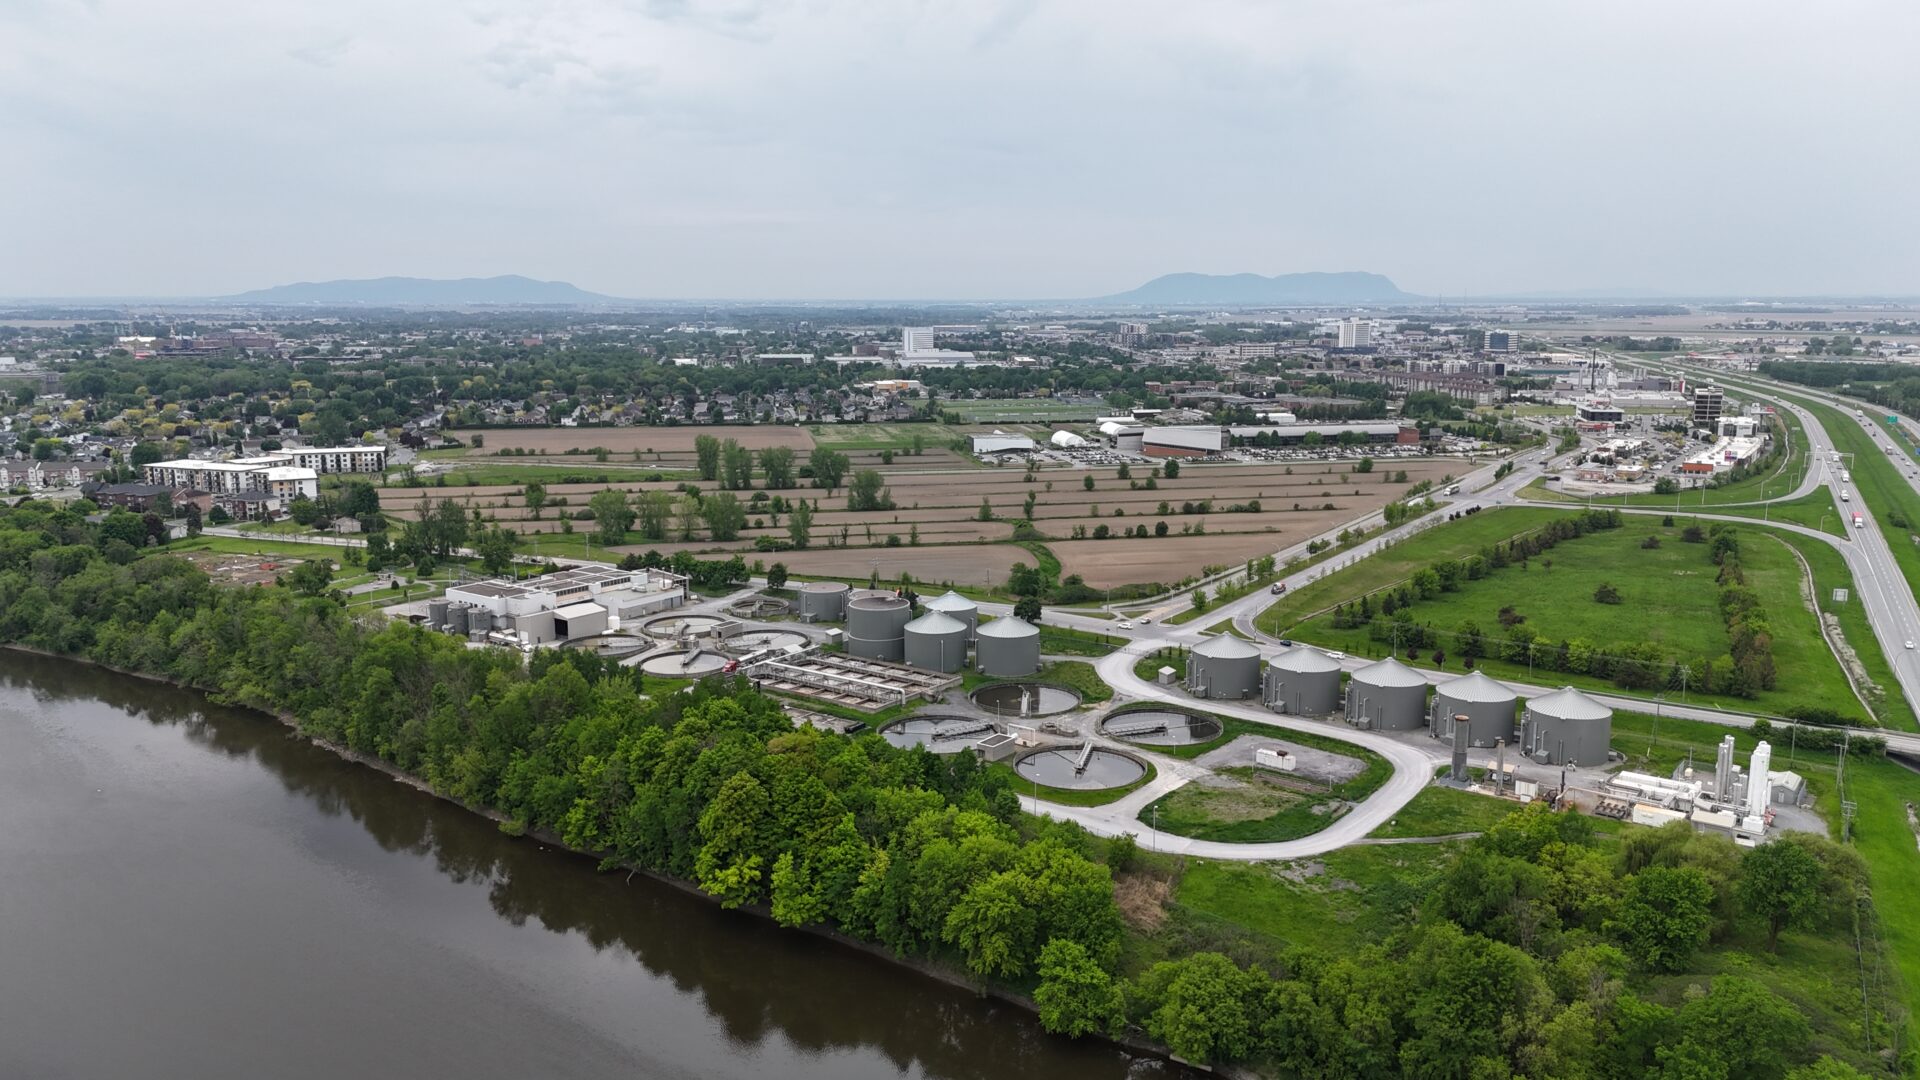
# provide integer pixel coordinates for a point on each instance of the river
(188, 891)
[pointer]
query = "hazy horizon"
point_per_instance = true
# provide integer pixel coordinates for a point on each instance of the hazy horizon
(680, 149)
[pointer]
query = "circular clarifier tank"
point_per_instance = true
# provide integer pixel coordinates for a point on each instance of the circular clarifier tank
(676, 627)
(1080, 769)
(747, 641)
(1160, 727)
(1025, 699)
(612, 646)
(683, 664)
(940, 734)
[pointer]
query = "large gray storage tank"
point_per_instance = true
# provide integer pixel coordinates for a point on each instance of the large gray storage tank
(823, 601)
(1566, 727)
(457, 621)
(1387, 696)
(1486, 703)
(1303, 682)
(1223, 667)
(959, 607)
(876, 627)
(937, 642)
(1007, 648)
(436, 614)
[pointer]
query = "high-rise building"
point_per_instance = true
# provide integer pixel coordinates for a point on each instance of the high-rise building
(916, 339)
(1356, 333)
(1707, 403)
(1132, 333)
(1499, 341)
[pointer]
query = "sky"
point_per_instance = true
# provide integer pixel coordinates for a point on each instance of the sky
(959, 149)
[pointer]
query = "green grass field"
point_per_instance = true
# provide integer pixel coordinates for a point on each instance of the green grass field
(1343, 899)
(1442, 811)
(1263, 807)
(1020, 411)
(881, 436)
(1669, 598)
(1453, 540)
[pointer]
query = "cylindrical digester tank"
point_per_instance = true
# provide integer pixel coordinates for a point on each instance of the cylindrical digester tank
(876, 627)
(1566, 727)
(959, 607)
(457, 622)
(1223, 667)
(1387, 696)
(937, 642)
(437, 614)
(823, 601)
(1303, 682)
(1486, 703)
(1007, 648)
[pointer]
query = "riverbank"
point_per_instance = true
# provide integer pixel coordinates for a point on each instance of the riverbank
(943, 974)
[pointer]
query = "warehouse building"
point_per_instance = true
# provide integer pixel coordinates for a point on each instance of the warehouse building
(1183, 441)
(1002, 443)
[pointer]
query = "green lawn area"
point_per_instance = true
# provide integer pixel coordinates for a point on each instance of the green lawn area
(883, 436)
(1669, 598)
(1072, 796)
(1880, 791)
(1148, 667)
(1019, 411)
(1262, 806)
(1453, 540)
(247, 545)
(1342, 899)
(1077, 675)
(1830, 572)
(1071, 642)
(1443, 811)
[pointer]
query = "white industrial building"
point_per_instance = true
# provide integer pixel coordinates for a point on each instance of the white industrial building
(1183, 441)
(918, 350)
(578, 603)
(1002, 443)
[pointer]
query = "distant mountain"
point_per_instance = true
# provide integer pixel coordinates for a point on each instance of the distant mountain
(410, 291)
(1176, 290)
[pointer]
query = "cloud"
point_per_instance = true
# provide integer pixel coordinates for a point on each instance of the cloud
(957, 147)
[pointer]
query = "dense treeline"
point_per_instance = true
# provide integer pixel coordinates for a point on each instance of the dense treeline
(1892, 386)
(1535, 954)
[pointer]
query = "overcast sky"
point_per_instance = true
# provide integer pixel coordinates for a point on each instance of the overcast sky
(959, 149)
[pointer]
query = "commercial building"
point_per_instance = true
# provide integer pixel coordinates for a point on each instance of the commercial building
(1294, 434)
(1596, 412)
(1183, 441)
(1356, 333)
(918, 350)
(1500, 341)
(1708, 401)
(1002, 443)
(1131, 333)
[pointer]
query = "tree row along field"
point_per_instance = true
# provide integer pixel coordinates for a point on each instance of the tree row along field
(943, 510)
(652, 440)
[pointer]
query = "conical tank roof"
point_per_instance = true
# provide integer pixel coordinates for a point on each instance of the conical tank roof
(1477, 687)
(1389, 672)
(951, 601)
(1305, 661)
(1008, 626)
(1570, 704)
(1226, 647)
(934, 622)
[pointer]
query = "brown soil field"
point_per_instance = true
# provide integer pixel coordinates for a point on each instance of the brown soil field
(944, 505)
(977, 564)
(625, 440)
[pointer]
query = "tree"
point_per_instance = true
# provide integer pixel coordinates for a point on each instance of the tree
(1027, 608)
(612, 514)
(303, 511)
(829, 468)
(732, 831)
(1087, 482)
(800, 524)
(687, 511)
(706, 454)
(1606, 594)
(1365, 465)
(1827, 1068)
(736, 466)
(536, 496)
(446, 528)
(1666, 485)
(1173, 469)
(868, 492)
(654, 513)
(1783, 885)
(1199, 599)
(147, 453)
(1664, 915)
(725, 514)
(1201, 1006)
(1076, 996)
(311, 578)
(193, 519)
(777, 463)
(777, 576)
(495, 548)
